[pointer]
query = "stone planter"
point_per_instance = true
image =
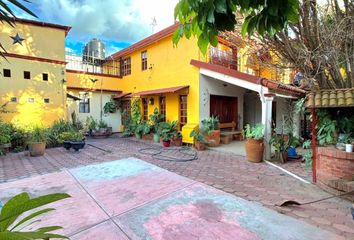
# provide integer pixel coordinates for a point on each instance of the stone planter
(77, 145)
(36, 149)
(254, 150)
(67, 145)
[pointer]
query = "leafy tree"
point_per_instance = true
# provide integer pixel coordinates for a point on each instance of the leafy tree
(205, 19)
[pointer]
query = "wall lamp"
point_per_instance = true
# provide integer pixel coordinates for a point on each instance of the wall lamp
(151, 101)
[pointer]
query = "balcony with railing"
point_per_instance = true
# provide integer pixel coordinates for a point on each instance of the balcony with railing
(89, 64)
(223, 58)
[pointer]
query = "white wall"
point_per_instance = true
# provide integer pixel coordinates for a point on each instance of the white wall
(112, 119)
(210, 86)
(252, 108)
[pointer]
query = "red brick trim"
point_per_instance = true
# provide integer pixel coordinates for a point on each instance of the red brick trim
(269, 95)
(250, 78)
(94, 89)
(94, 74)
(32, 58)
(146, 41)
(44, 24)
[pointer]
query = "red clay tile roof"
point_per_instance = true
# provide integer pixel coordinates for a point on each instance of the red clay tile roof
(43, 24)
(121, 95)
(160, 91)
(146, 41)
(274, 85)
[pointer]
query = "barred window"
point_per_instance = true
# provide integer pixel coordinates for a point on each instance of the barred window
(126, 66)
(143, 60)
(84, 105)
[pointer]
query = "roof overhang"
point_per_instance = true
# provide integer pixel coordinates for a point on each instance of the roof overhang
(160, 91)
(121, 95)
(43, 24)
(94, 89)
(246, 81)
(68, 95)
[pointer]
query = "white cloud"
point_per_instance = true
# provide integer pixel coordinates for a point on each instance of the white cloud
(119, 20)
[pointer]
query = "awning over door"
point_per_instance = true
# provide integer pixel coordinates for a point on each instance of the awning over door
(160, 91)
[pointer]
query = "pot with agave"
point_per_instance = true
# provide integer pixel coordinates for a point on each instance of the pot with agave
(254, 144)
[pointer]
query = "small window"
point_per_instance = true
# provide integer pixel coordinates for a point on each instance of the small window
(143, 60)
(126, 66)
(84, 105)
(27, 75)
(46, 100)
(7, 73)
(30, 100)
(45, 76)
(13, 99)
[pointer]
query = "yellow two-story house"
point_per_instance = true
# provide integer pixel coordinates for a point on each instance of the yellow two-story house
(33, 75)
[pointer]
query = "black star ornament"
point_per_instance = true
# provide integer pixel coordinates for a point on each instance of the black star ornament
(17, 39)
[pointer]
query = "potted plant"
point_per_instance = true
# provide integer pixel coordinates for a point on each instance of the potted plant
(168, 129)
(210, 128)
(177, 139)
(292, 143)
(5, 137)
(156, 118)
(139, 131)
(37, 141)
(199, 140)
(280, 146)
(254, 144)
(91, 125)
(72, 139)
(347, 140)
(147, 131)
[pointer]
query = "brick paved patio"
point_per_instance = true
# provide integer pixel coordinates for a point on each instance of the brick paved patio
(228, 172)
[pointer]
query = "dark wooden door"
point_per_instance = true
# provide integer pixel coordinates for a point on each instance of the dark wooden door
(225, 108)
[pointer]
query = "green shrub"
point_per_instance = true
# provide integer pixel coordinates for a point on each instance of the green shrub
(256, 132)
(57, 128)
(210, 124)
(38, 134)
(102, 124)
(6, 130)
(198, 137)
(70, 136)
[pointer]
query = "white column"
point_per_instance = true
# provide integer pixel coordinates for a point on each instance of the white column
(267, 100)
(296, 124)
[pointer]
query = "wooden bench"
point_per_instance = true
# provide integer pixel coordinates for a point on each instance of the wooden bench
(229, 132)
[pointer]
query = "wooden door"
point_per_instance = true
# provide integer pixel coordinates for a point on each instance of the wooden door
(223, 107)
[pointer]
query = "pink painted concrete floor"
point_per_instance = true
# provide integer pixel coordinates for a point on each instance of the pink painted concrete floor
(133, 199)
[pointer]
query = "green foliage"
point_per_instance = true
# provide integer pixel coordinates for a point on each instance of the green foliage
(38, 135)
(57, 128)
(6, 131)
(11, 223)
(300, 105)
(76, 123)
(136, 114)
(91, 123)
(146, 128)
(139, 129)
(198, 137)
(210, 124)
(346, 125)
(110, 107)
(71, 136)
(102, 124)
(256, 132)
(326, 128)
(279, 144)
(155, 119)
(167, 129)
(205, 19)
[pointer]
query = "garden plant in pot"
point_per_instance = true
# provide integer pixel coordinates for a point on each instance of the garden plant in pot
(147, 131)
(199, 140)
(156, 118)
(167, 130)
(5, 137)
(177, 139)
(254, 144)
(280, 146)
(37, 141)
(72, 139)
(210, 128)
(139, 130)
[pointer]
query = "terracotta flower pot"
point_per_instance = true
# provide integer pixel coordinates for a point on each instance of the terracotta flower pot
(177, 142)
(166, 143)
(213, 139)
(147, 137)
(254, 150)
(199, 146)
(36, 149)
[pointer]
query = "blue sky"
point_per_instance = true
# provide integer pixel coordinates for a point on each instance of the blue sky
(118, 23)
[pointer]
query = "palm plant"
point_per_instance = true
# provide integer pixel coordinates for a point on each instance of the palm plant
(11, 225)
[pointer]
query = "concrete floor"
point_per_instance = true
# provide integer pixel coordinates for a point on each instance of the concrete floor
(235, 147)
(133, 199)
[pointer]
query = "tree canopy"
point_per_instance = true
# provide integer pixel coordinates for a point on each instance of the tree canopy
(205, 19)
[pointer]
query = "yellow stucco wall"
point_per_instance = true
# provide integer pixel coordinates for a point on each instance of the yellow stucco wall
(38, 112)
(170, 68)
(39, 41)
(84, 80)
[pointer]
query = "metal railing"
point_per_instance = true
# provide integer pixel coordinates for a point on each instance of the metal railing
(222, 58)
(89, 64)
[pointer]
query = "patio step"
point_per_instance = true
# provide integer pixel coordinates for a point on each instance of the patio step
(342, 185)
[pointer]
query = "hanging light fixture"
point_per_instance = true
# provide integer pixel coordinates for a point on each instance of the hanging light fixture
(151, 101)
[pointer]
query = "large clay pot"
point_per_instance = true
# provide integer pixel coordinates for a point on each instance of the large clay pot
(36, 149)
(254, 150)
(213, 139)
